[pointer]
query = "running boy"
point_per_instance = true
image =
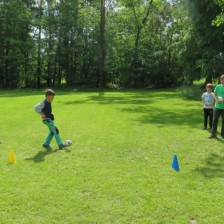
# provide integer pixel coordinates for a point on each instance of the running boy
(44, 109)
(219, 108)
(208, 100)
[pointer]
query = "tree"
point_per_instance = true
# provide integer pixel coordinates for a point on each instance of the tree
(130, 43)
(205, 39)
(102, 44)
(15, 44)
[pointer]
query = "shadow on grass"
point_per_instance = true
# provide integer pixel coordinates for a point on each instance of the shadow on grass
(214, 166)
(111, 100)
(161, 117)
(40, 156)
(138, 97)
(32, 92)
(141, 103)
(191, 93)
(20, 93)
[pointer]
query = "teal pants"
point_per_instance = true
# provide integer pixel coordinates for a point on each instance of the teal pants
(53, 132)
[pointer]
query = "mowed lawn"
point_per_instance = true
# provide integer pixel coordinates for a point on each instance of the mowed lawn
(118, 169)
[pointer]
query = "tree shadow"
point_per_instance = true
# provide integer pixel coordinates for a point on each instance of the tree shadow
(214, 166)
(141, 102)
(20, 93)
(109, 100)
(154, 115)
(138, 97)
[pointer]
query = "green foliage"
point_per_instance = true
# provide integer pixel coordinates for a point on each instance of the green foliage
(145, 44)
(204, 41)
(219, 20)
(16, 44)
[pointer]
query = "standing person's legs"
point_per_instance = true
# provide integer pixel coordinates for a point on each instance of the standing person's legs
(222, 129)
(215, 123)
(53, 131)
(210, 118)
(205, 118)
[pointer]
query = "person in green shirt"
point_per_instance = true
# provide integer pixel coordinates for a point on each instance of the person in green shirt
(219, 108)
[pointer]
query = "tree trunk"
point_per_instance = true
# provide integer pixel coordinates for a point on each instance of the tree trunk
(135, 64)
(102, 45)
(39, 47)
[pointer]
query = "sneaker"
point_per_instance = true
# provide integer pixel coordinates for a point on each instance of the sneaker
(62, 146)
(46, 146)
(212, 136)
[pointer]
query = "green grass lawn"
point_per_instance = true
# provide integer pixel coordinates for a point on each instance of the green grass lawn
(118, 169)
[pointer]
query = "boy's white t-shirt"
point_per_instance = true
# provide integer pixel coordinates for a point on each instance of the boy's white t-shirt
(208, 99)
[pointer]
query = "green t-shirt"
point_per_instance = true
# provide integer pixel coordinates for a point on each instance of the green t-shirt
(219, 92)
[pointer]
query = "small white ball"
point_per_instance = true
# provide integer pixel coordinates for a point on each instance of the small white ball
(68, 142)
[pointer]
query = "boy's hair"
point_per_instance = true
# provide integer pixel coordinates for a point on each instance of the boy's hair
(222, 76)
(49, 92)
(209, 85)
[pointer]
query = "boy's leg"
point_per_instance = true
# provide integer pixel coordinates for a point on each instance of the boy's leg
(48, 138)
(53, 131)
(222, 129)
(210, 117)
(205, 118)
(215, 123)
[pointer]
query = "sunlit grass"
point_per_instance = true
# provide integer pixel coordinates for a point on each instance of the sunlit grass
(118, 169)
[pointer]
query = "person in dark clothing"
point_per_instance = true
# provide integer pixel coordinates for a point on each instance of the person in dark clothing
(45, 110)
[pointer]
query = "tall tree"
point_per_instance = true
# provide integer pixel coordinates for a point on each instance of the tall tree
(102, 44)
(39, 43)
(15, 22)
(68, 12)
(207, 40)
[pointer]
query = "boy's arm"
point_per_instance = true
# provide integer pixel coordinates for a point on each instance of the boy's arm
(202, 98)
(214, 97)
(38, 108)
(217, 99)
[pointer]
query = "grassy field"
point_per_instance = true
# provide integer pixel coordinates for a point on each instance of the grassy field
(118, 169)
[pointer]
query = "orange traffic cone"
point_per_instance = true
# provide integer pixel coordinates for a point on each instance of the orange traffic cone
(12, 158)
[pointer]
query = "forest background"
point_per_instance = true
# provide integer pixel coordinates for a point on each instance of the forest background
(110, 43)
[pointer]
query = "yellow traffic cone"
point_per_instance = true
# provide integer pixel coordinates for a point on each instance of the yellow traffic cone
(12, 158)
